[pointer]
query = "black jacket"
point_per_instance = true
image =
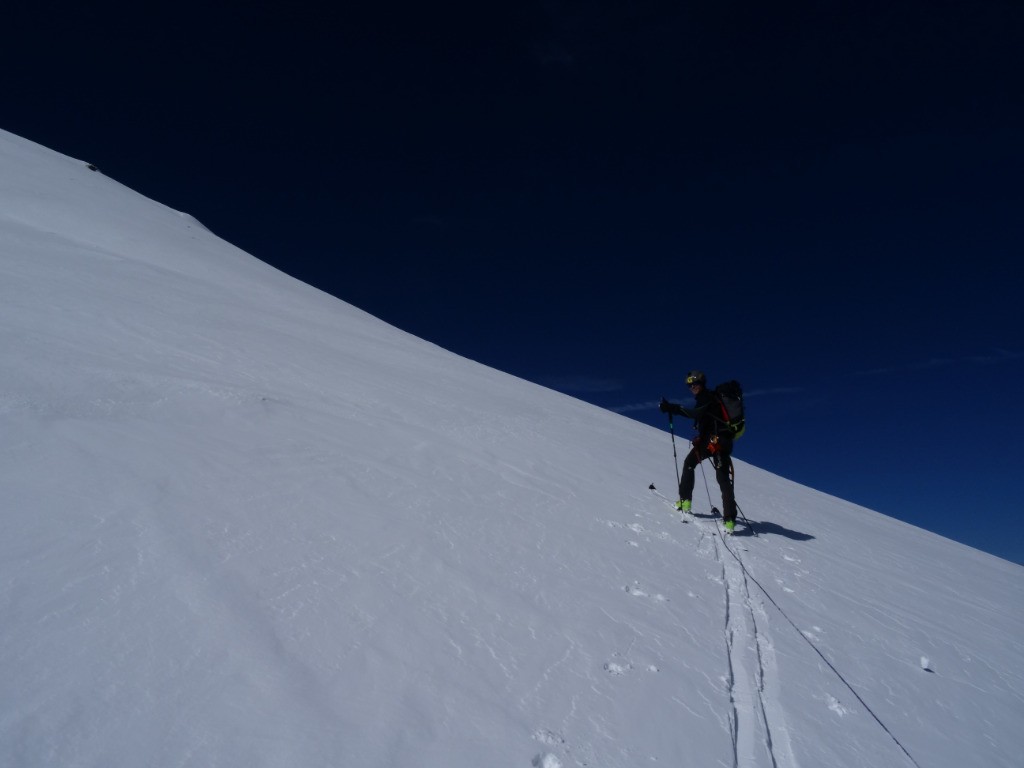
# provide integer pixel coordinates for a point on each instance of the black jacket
(706, 414)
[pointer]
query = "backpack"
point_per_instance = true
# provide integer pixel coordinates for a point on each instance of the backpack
(730, 397)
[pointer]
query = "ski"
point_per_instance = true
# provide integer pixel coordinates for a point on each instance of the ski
(683, 516)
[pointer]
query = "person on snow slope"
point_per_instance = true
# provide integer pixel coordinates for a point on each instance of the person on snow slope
(713, 440)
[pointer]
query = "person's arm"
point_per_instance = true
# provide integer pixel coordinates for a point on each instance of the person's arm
(677, 410)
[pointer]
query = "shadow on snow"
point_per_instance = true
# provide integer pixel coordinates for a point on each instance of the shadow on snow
(765, 528)
(745, 527)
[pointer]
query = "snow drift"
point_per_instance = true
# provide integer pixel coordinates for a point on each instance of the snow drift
(247, 524)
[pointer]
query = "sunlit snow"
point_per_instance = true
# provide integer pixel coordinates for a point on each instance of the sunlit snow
(247, 524)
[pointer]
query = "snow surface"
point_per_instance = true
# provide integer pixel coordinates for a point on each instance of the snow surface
(246, 524)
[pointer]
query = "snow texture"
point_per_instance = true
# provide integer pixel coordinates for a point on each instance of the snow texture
(247, 524)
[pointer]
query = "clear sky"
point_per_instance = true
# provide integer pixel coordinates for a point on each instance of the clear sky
(822, 200)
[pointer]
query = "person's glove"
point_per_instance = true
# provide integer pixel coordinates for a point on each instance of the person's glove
(665, 406)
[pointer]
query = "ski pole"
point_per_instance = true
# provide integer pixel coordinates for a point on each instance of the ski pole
(745, 521)
(675, 456)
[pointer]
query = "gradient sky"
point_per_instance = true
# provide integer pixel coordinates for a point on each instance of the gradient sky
(822, 200)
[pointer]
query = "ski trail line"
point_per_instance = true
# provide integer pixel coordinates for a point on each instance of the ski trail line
(747, 576)
(760, 739)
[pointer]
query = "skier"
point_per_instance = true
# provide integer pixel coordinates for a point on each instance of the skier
(713, 441)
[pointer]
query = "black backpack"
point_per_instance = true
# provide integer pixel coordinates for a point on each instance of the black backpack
(730, 396)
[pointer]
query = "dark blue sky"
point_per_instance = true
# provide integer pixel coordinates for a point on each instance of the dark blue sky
(822, 200)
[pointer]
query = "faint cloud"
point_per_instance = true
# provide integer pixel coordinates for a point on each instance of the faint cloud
(653, 404)
(436, 223)
(774, 391)
(577, 37)
(996, 356)
(589, 384)
(550, 53)
(650, 405)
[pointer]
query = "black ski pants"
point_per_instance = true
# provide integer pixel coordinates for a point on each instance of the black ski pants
(722, 460)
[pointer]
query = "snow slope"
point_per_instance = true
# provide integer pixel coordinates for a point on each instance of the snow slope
(247, 524)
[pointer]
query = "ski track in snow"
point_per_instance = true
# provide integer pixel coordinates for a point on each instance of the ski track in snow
(758, 733)
(755, 723)
(759, 736)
